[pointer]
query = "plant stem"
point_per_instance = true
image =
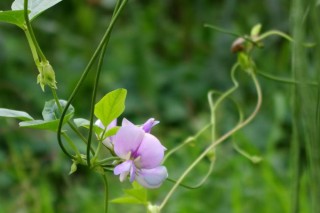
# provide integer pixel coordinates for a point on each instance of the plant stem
(106, 194)
(87, 70)
(30, 30)
(186, 141)
(32, 46)
(70, 142)
(72, 126)
(218, 141)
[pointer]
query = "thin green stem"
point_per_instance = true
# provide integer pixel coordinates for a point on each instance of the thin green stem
(222, 30)
(201, 182)
(284, 80)
(87, 69)
(103, 161)
(32, 36)
(218, 141)
(71, 144)
(106, 194)
(95, 88)
(32, 46)
(274, 32)
(214, 106)
(93, 100)
(97, 153)
(72, 126)
(186, 141)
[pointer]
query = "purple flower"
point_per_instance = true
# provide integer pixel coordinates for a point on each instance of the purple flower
(142, 154)
(147, 126)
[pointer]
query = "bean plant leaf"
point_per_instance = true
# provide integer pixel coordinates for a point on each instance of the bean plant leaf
(126, 200)
(35, 6)
(135, 195)
(51, 114)
(111, 106)
(9, 113)
(51, 111)
(81, 122)
(13, 17)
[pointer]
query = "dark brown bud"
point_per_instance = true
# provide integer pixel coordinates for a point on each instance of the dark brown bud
(238, 45)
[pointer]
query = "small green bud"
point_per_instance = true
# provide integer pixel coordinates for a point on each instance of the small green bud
(255, 159)
(46, 75)
(255, 31)
(153, 208)
(212, 155)
(246, 63)
(73, 168)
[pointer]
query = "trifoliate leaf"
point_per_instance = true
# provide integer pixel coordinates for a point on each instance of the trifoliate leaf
(111, 106)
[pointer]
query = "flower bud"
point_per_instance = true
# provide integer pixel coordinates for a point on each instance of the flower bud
(46, 75)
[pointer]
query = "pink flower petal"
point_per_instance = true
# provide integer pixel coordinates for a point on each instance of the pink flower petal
(126, 122)
(147, 126)
(152, 178)
(151, 152)
(127, 139)
(123, 169)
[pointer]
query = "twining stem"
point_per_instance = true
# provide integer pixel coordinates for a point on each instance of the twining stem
(284, 80)
(218, 141)
(274, 32)
(87, 70)
(187, 141)
(72, 126)
(214, 106)
(93, 100)
(96, 83)
(106, 194)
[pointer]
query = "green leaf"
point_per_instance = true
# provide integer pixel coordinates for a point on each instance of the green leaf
(126, 200)
(81, 122)
(135, 195)
(111, 106)
(256, 30)
(52, 112)
(9, 113)
(13, 17)
(51, 115)
(35, 6)
(111, 132)
(45, 125)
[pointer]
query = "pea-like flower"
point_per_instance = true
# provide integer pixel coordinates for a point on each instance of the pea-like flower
(142, 154)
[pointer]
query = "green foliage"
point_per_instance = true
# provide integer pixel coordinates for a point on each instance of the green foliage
(110, 106)
(36, 7)
(13, 17)
(169, 62)
(51, 114)
(136, 195)
(9, 113)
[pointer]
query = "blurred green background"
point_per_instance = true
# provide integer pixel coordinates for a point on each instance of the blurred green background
(168, 61)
